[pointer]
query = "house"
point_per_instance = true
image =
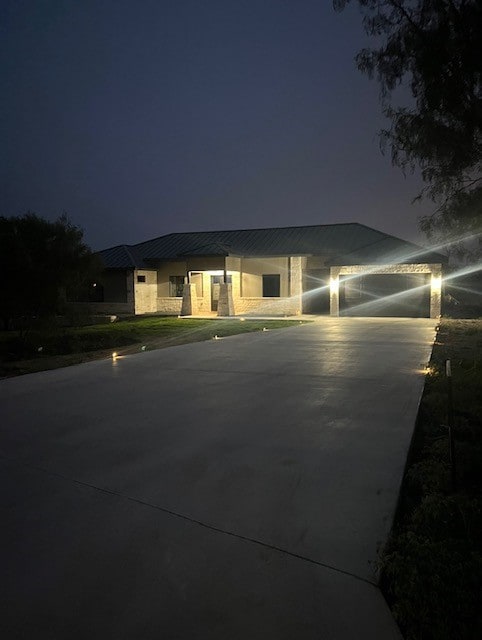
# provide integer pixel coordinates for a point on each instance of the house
(341, 269)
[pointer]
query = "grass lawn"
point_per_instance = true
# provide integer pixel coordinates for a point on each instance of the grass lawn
(52, 346)
(432, 567)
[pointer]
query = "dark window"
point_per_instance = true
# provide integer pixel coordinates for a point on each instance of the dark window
(141, 278)
(271, 285)
(176, 286)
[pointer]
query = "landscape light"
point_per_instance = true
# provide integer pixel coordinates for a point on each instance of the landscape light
(114, 355)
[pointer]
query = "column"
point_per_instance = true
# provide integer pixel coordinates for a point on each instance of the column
(225, 302)
(436, 292)
(189, 300)
(335, 291)
(296, 284)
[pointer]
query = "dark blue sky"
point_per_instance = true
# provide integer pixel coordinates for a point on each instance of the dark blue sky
(140, 118)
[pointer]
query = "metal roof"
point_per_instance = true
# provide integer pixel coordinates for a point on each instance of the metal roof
(122, 257)
(341, 244)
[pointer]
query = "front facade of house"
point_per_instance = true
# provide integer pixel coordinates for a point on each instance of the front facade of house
(345, 269)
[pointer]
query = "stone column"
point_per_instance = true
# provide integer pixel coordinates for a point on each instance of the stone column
(335, 291)
(225, 302)
(436, 292)
(189, 300)
(296, 284)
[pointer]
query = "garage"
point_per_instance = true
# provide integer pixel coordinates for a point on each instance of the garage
(383, 295)
(404, 290)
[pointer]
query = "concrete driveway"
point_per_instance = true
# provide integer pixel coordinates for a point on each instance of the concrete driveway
(237, 488)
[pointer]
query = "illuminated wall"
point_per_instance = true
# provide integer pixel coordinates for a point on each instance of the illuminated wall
(145, 293)
(252, 271)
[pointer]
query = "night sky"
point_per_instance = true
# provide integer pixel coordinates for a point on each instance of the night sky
(140, 118)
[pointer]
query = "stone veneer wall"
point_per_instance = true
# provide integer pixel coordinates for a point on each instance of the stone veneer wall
(266, 306)
(169, 306)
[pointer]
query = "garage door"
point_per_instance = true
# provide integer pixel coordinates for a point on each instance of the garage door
(386, 295)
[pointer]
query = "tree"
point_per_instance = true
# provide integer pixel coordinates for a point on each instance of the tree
(42, 263)
(433, 49)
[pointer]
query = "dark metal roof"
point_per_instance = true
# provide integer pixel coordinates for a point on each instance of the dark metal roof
(341, 244)
(122, 257)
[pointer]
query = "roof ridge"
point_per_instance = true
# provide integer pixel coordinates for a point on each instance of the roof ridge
(116, 246)
(298, 226)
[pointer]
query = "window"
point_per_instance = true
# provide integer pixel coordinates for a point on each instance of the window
(271, 285)
(141, 278)
(176, 286)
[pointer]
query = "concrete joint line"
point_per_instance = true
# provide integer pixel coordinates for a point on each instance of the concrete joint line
(189, 519)
(271, 374)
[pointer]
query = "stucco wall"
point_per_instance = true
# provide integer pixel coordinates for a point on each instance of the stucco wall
(252, 271)
(315, 262)
(164, 272)
(205, 264)
(145, 293)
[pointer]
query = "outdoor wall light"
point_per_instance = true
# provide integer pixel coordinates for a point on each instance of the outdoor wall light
(436, 283)
(334, 285)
